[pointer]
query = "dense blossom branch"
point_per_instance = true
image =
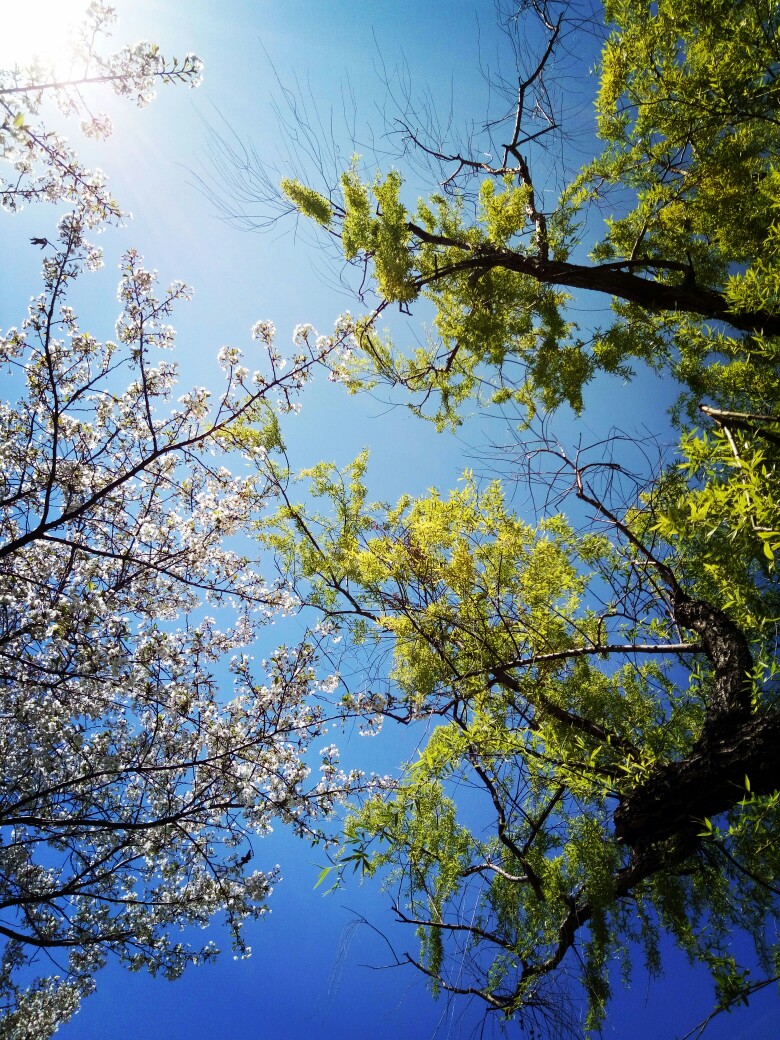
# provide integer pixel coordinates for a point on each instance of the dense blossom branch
(143, 747)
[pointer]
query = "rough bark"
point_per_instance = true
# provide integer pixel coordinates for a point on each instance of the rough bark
(709, 781)
(735, 743)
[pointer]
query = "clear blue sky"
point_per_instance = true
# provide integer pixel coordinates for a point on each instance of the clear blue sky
(311, 973)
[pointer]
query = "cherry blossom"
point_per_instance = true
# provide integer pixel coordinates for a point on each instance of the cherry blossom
(44, 167)
(144, 748)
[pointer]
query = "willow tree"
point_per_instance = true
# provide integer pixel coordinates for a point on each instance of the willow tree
(610, 690)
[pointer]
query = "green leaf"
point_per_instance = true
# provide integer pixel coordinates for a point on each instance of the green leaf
(322, 875)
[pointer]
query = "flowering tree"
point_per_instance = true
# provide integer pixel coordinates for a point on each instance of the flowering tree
(131, 787)
(45, 167)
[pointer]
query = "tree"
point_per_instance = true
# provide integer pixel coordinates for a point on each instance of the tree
(497, 267)
(45, 167)
(132, 786)
(606, 681)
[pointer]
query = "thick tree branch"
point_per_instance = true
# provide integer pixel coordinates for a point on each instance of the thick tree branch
(614, 279)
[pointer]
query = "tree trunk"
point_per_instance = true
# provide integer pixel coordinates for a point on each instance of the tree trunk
(735, 743)
(711, 780)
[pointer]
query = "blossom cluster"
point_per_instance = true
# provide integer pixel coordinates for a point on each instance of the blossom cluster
(44, 167)
(133, 783)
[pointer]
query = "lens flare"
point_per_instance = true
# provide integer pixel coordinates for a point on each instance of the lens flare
(39, 30)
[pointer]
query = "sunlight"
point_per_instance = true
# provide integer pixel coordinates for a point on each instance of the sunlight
(38, 30)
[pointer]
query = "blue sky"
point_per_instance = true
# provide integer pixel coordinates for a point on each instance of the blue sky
(312, 970)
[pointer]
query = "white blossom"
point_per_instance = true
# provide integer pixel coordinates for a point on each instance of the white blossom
(44, 166)
(132, 784)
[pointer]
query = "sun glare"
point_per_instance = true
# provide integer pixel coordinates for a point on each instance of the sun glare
(38, 29)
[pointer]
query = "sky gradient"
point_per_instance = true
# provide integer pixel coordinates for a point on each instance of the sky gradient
(315, 967)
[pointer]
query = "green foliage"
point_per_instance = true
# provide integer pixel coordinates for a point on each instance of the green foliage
(308, 201)
(506, 213)
(541, 651)
(687, 96)
(723, 500)
(687, 109)
(383, 238)
(687, 112)
(257, 428)
(491, 624)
